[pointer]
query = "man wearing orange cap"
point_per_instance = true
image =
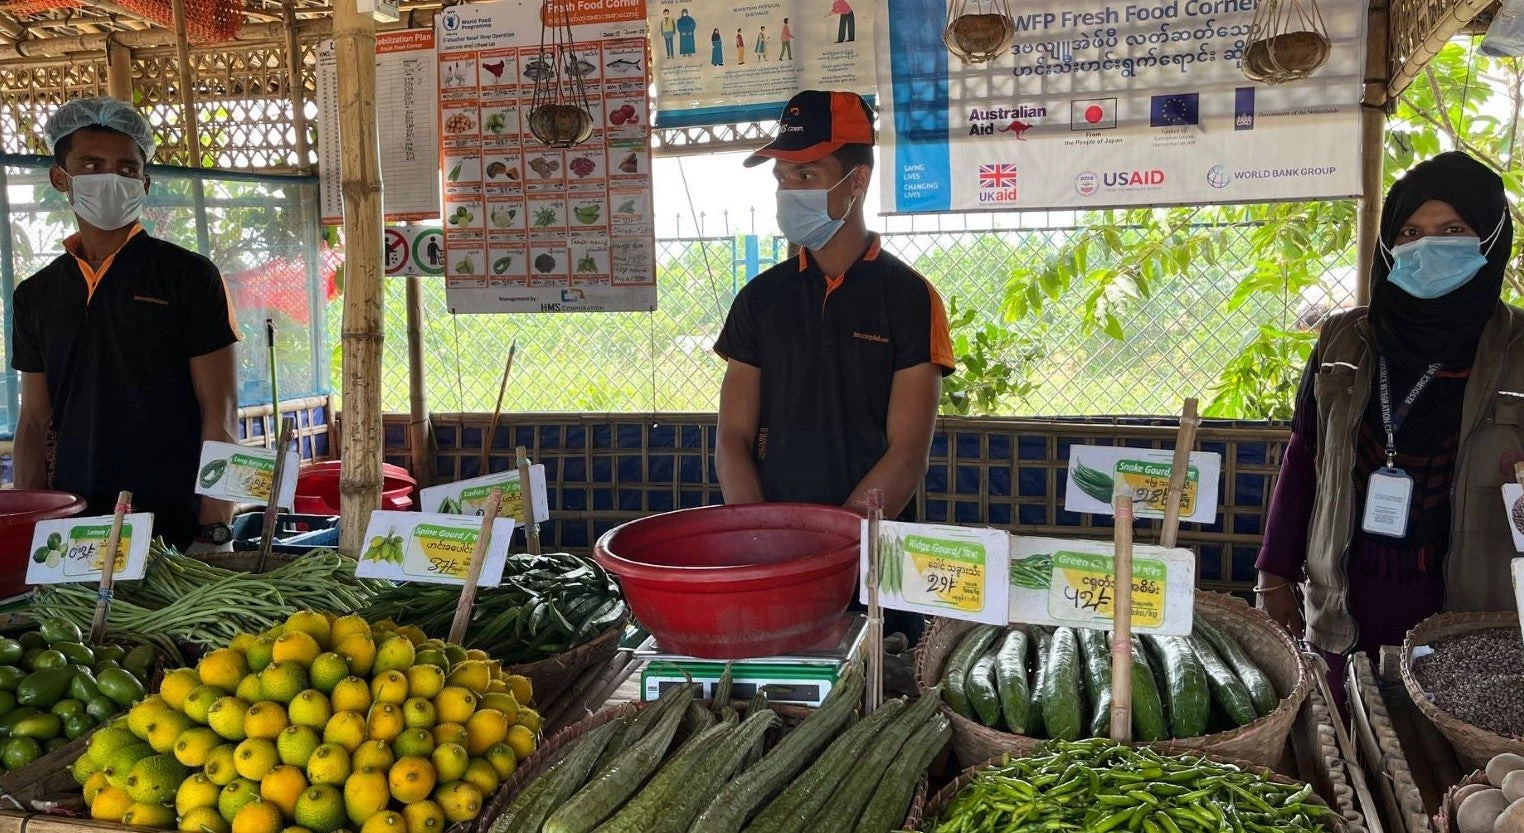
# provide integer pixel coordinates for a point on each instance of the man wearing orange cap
(836, 356)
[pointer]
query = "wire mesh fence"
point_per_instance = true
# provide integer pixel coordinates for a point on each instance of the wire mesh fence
(1178, 336)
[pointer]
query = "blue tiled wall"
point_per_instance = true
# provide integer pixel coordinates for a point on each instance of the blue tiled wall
(603, 470)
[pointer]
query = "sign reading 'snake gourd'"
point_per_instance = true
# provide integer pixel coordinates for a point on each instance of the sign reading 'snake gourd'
(1096, 471)
(241, 474)
(949, 571)
(433, 549)
(1073, 583)
(72, 550)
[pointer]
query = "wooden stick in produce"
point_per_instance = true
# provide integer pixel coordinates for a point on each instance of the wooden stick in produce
(874, 691)
(474, 573)
(497, 412)
(108, 569)
(526, 498)
(274, 386)
(1185, 441)
(1121, 625)
(277, 482)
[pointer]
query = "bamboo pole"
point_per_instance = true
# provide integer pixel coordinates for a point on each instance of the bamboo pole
(297, 85)
(1185, 442)
(118, 71)
(187, 97)
(1372, 146)
(1121, 623)
(420, 426)
(497, 411)
(874, 692)
(277, 485)
(526, 500)
(474, 572)
(354, 38)
(64, 45)
(108, 568)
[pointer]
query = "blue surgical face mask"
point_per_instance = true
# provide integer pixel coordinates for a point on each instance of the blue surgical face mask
(804, 218)
(1433, 267)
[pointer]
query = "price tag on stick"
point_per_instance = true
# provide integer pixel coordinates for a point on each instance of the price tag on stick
(950, 571)
(72, 550)
(1063, 582)
(108, 569)
(432, 549)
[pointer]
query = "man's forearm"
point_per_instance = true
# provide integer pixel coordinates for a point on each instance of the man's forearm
(739, 480)
(29, 462)
(898, 474)
(217, 426)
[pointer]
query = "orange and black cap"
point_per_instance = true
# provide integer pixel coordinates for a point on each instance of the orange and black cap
(816, 124)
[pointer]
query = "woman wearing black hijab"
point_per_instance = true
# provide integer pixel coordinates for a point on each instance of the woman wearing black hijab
(1388, 506)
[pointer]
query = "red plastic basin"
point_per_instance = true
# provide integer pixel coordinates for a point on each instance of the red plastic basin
(732, 582)
(317, 488)
(20, 510)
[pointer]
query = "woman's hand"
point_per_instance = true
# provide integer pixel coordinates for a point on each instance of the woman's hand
(1281, 603)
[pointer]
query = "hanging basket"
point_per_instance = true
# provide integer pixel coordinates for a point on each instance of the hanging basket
(1289, 42)
(560, 115)
(978, 35)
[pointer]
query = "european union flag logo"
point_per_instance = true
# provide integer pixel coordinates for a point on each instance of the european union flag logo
(1177, 110)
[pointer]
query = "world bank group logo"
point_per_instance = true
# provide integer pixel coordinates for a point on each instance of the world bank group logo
(451, 20)
(1219, 177)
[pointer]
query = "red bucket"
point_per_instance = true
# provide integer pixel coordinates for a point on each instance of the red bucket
(733, 582)
(317, 488)
(20, 510)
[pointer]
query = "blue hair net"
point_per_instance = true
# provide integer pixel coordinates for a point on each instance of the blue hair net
(101, 112)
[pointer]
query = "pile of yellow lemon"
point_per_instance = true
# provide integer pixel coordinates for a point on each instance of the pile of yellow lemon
(321, 725)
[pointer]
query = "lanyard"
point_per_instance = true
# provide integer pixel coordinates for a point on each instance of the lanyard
(1391, 422)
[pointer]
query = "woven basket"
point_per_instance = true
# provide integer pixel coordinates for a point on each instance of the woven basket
(1447, 804)
(555, 674)
(1260, 742)
(553, 750)
(1474, 745)
(944, 796)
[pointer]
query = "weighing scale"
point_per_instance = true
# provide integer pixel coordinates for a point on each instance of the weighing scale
(803, 678)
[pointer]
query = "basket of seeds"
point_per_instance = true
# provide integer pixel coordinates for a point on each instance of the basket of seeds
(1465, 672)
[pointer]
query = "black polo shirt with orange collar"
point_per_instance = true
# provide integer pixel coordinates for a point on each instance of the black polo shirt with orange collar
(115, 341)
(828, 348)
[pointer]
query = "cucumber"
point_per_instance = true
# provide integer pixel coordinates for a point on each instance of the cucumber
(1261, 690)
(1062, 710)
(1097, 680)
(892, 798)
(851, 798)
(955, 675)
(1228, 691)
(1011, 680)
(1044, 641)
(1185, 684)
(981, 689)
(1147, 708)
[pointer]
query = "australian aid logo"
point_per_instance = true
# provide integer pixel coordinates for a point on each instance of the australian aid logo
(1011, 122)
(997, 183)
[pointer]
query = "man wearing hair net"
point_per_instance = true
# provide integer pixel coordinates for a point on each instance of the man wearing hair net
(124, 343)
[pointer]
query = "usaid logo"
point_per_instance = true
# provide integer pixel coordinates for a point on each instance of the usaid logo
(1133, 179)
(451, 20)
(1087, 184)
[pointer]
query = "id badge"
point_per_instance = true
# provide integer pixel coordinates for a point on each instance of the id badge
(1387, 503)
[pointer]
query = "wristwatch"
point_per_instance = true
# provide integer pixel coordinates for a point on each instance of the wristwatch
(217, 534)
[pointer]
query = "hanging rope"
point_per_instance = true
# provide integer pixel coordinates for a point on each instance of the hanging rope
(981, 36)
(1289, 41)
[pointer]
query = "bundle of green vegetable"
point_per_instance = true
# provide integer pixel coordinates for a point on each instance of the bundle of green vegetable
(675, 767)
(546, 604)
(1181, 687)
(1096, 786)
(181, 598)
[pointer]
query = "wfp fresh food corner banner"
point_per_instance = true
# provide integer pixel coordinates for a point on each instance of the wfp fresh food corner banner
(1107, 104)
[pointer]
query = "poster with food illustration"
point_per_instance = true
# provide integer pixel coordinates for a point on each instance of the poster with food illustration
(1095, 472)
(241, 474)
(73, 549)
(432, 548)
(950, 571)
(533, 228)
(469, 497)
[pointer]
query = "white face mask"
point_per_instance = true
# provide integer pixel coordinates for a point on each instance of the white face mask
(107, 201)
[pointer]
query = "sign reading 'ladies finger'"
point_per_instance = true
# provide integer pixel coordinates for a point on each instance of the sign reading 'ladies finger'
(432, 549)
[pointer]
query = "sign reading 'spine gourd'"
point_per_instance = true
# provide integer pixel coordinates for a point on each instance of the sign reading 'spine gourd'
(72, 550)
(240, 474)
(950, 571)
(1095, 473)
(430, 548)
(1063, 582)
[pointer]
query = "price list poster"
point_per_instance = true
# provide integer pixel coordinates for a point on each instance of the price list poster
(530, 228)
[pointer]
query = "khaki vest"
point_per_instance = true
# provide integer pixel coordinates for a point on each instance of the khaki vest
(1491, 441)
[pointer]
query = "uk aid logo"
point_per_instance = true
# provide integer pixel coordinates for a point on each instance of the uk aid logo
(998, 183)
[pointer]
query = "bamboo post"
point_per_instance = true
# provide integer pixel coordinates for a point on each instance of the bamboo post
(474, 573)
(526, 497)
(1185, 442)
(295, 80)
(354, 38)
(497, 411)
(274, 385)
(277, 482)
(420, 427)
(874, 692)
(187, 97)
(108, 569)
(1121, 627)
(118, 70)
(1372, 145)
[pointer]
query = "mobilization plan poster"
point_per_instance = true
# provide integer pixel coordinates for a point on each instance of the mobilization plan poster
(721, 62)
(530, 228)
(1108, 104)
